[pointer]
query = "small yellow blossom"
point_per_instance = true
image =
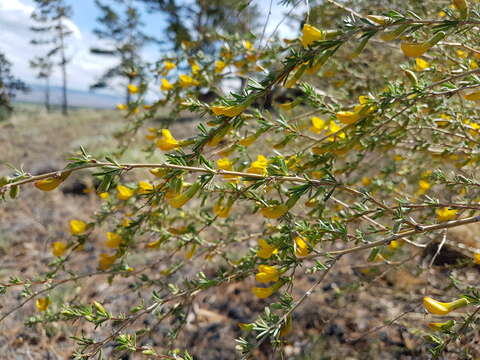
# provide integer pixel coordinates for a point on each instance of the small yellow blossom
(219, 66)
(266, 250)
(301, 247)
(249, 140)
(42, 303)
(59, 248)
(421, 64)
(166, 85)
(168, 65)
(186, 81)
(229, 111)
(318, 125)
(122, 107)
(124, 193)
(77, 227)
(144, 187)
(424, 185)
(366, 181)
(221, 211)
(267, 274)
(347, 117)
(310, 34)
(414, 50)
(275, 211)
(104, 195)
(113, 240)
(167, 142)
(440, 308)
(446, 214)
(259, 166)
(132, 89)
(105, 261)
(262, 293)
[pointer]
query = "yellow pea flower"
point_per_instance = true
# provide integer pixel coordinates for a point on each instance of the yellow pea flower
(421, 64)
(249, 140)
(440, 308)
(424, 185)
(52, 183)
(144, 187)
(318, 125)
(219, 66)
(59, 248)
(195, 68)
(275, 211)
(347, 117)
(105, 261)
(168, 65)
(222, 211)
(446, 214)
(259, 166)
(132, 89)
(267, 274)
(262, 293)
(301, 247)
(124, 193)
(473, 96)
(104, 195)
(42, 303)
(113, 240)
(77, 227)
(366, 181)
(187, 81)
(476, 258)
(122, 107)
(181, 199)
(166, 85)
(266, 250)
(167, 142)
(418, 49)
(229, 111)
(311, 34)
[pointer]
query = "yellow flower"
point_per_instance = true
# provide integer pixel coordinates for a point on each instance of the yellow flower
(167, 142)
(105, 261)
(168, 65)
(122, 107)
(58, 248)
(166, 85)
(77, 227)
(395, 244)
(52, 183)
(446, 214)
(262, 293)
(219, 66)
(126, 222)
(311, 34)
(440, 308)
(104, 195)
(414, 50)
(366, 181)
(424, 185)
(347, 117)
(301, 247)
(476, 258)
(181, 199)
(195, 68)
(224, 164)
(144, 187)
(266, 250)
(187, 80)
(249, 140)
(133, 89)
(267, 274)
(473, 96)
(229, 111)
(42, 303)
(274, 212)
(247, 44)
(259, 166)
(421, 64)
(124, 193)
(318, 125)
(113, 240)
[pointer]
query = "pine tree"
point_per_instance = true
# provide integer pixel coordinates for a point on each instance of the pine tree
(9, 86)
(44, 66)
(122, 31)
(51, 16)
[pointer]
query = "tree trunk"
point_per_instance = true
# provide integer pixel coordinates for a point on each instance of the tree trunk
(47, 93)
(64, 70)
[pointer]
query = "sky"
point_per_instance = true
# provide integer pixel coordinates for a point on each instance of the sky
(84, 68)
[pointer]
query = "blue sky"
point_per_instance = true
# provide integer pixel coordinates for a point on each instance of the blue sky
(84, 68)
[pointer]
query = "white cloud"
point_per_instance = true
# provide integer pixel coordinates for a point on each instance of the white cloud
(83, 69)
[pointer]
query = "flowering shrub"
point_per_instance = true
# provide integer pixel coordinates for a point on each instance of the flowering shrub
(332, 169)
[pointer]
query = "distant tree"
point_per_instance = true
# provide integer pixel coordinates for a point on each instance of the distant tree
(197, 20)
(121, 29)
(9, 86)
(44, 67)
(51, 16)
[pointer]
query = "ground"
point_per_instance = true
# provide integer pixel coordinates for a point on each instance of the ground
(361, 310)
